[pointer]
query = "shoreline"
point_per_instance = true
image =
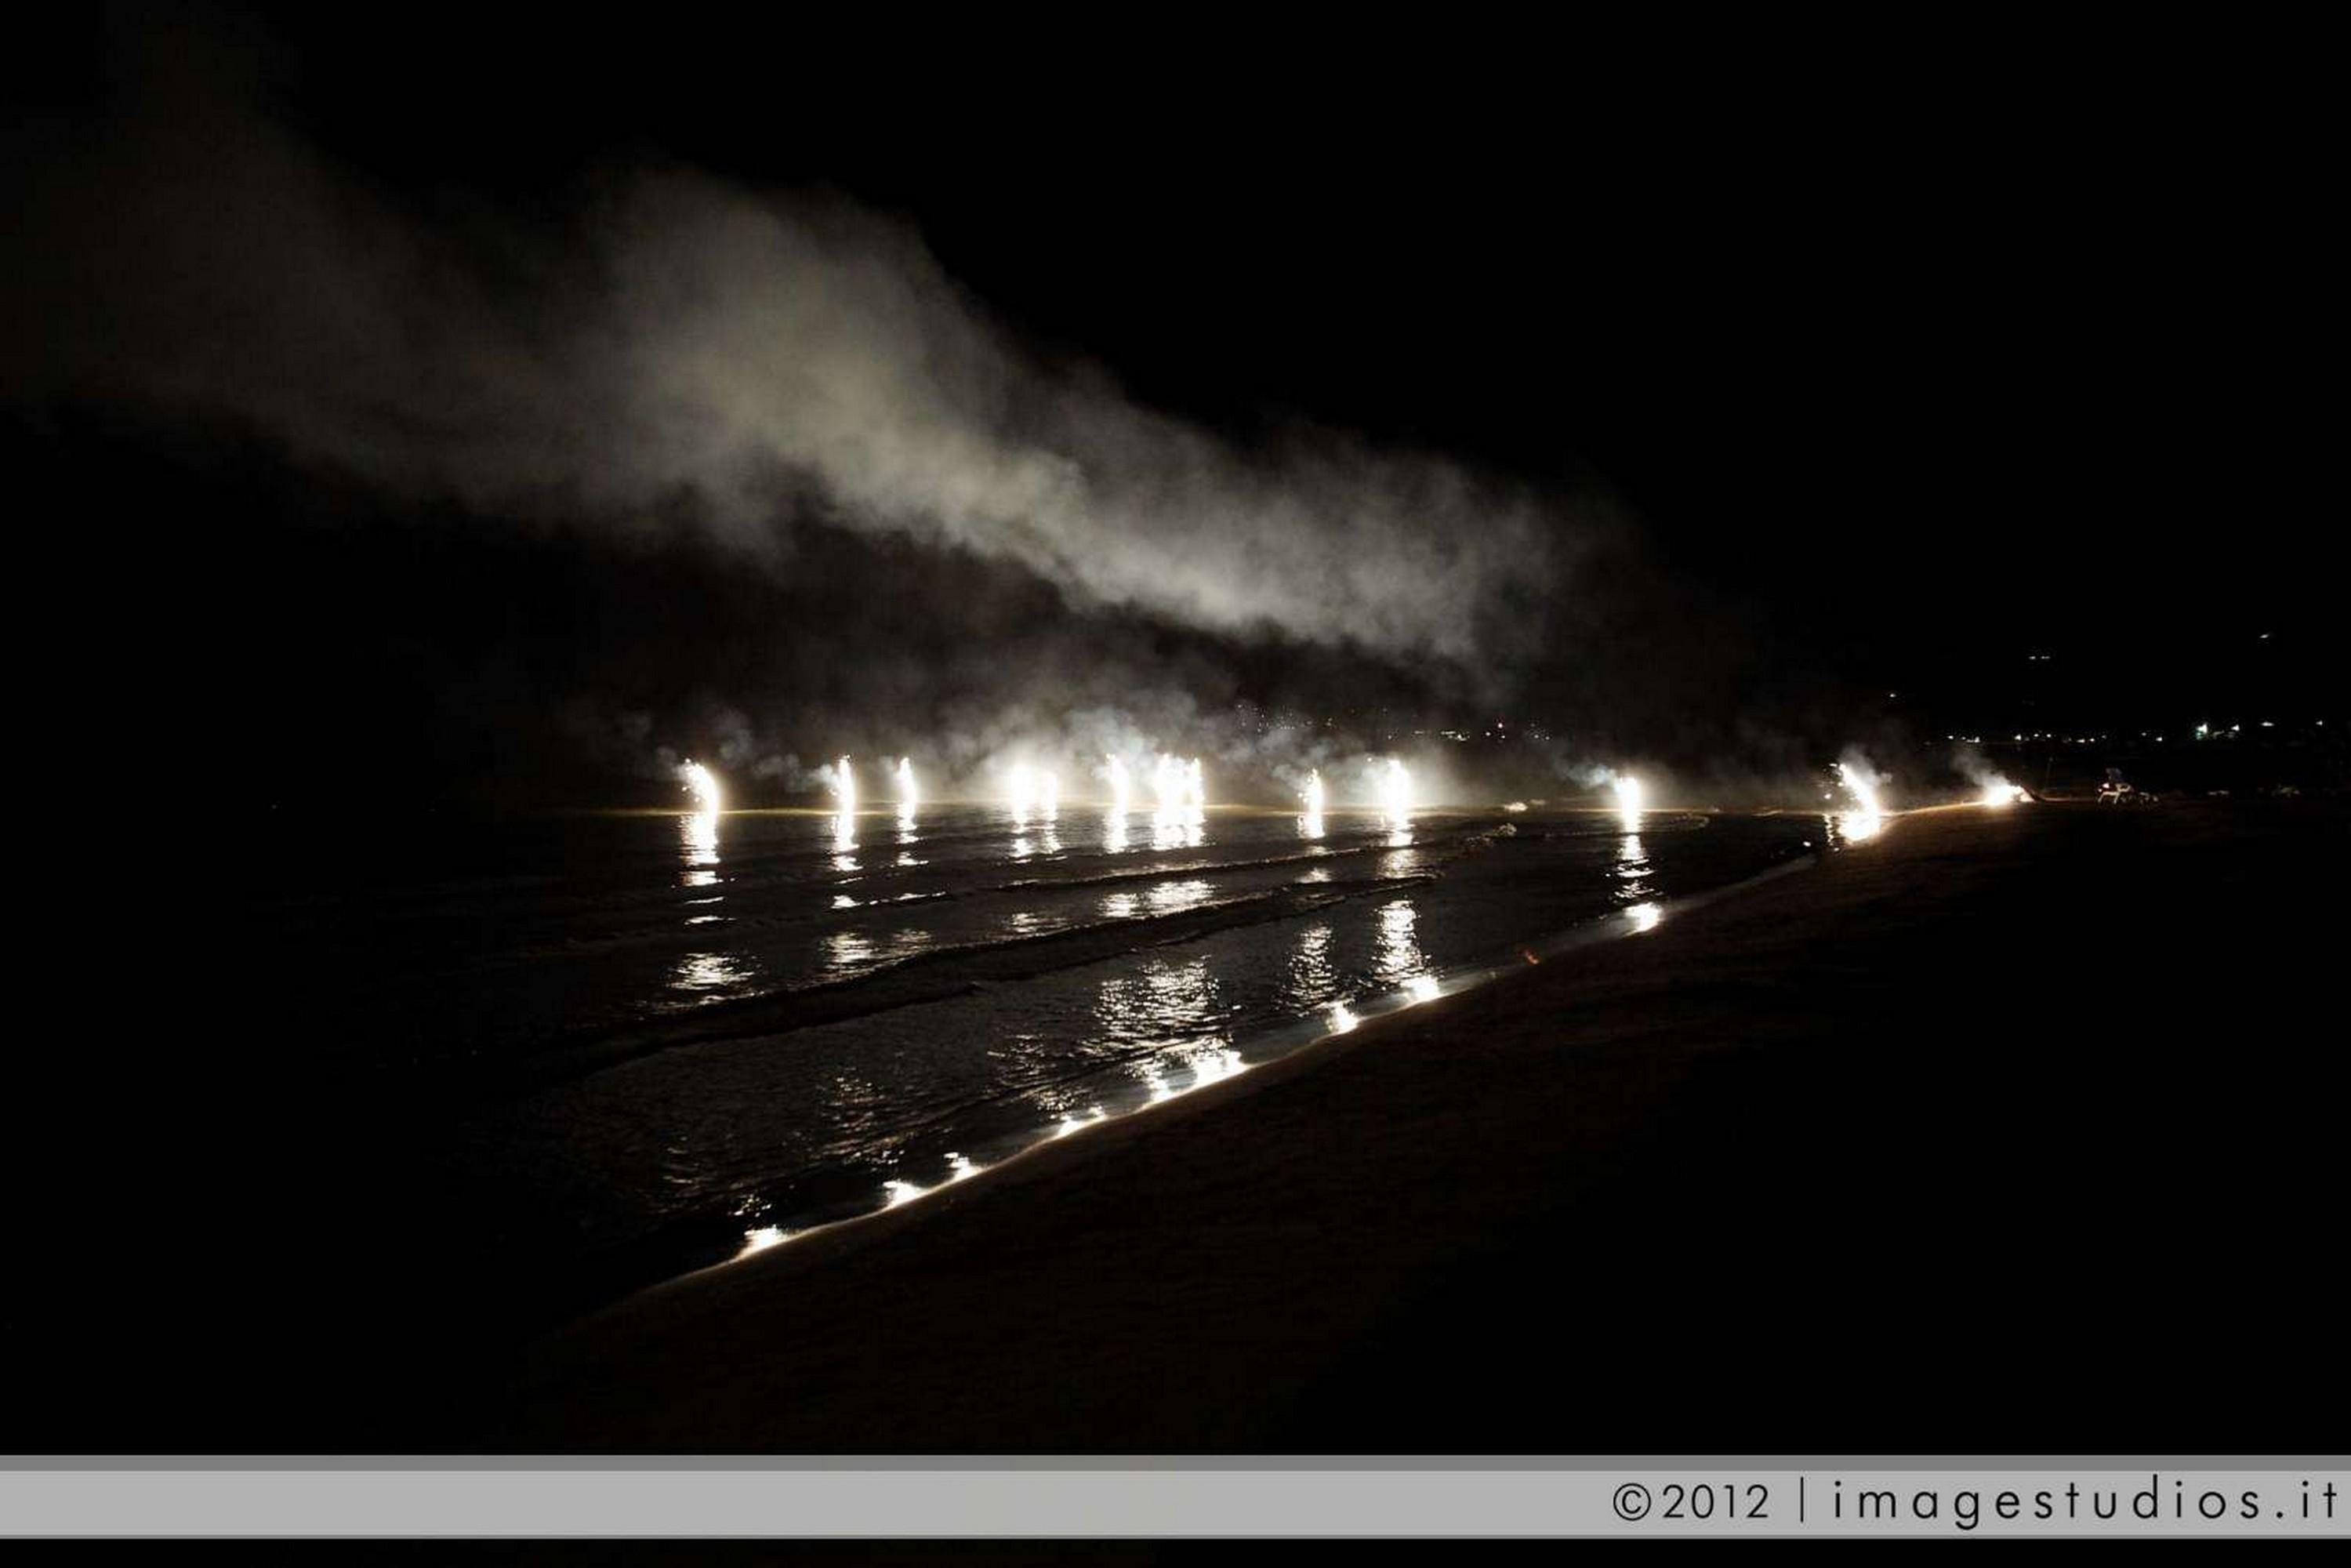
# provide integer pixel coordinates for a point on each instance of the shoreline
(1375, 1243)
(771, 1271)
(1601, 931)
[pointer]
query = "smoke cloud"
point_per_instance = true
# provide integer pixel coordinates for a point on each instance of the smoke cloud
(679, 351)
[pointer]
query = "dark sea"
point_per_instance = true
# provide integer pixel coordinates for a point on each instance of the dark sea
(580, 1054)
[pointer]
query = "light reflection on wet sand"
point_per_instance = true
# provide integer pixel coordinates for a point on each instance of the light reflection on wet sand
(708, 972)
(1174, 897)
(846, 952)
(1164, 1026)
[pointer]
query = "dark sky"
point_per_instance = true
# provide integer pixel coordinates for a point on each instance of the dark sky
(1888, 360)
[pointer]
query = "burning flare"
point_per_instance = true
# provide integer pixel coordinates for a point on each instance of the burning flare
(907, 798)
(1395, 791)
(1863, 789)
(1115, 771)
(1176, 787)
(1865, 820)
(701, 785)
(1629, 796)
(1164, 785)
(2001, 792)
(844, 788)
(1026, 790)
(1312, 794)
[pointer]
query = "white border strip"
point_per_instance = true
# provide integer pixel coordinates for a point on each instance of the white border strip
(1159, 1504)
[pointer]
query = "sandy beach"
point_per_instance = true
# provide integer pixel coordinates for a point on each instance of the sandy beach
(1936, 1148)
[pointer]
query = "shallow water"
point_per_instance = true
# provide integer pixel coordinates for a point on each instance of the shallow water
(633, 1044)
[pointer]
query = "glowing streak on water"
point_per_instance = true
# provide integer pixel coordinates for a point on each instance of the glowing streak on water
(1401, 960)
(707, 972)
(698, 831)
(1632, 871)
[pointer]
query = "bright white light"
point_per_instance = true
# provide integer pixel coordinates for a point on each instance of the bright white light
(1865, 818)
(907, 798)
(1048, 794)
(902, 1192)
(701, 785)
(1644, 916)
(1071, 1123)
(1167, 785)
(762, 1239)
(1196, 793)
(1861, 786)
(2001, 792)
(1342, 1018)
(1863, 789)
(1215, 1068)
(1629, 798)
(699, 826)
(1395, 791)
(1020, 790)
(1422, 988)
(1115, 772)
(1312, 794)
(844, 788)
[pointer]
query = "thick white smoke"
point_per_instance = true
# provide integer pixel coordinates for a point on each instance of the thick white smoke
(694, 349)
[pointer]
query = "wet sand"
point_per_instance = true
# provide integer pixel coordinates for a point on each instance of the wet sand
(2003, 1131)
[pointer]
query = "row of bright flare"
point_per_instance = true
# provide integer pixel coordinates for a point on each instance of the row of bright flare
(1178, 788)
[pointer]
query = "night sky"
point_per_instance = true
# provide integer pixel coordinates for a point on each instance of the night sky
(479, 406)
